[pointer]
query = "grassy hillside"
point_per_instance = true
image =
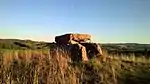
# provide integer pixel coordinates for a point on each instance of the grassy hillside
(21, 44)
(56, 67)
(31, 62)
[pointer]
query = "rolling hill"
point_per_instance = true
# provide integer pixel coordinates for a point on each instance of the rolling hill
(111, 48)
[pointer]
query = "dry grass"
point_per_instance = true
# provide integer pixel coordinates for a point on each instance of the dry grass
(56, 67)
(35, 67)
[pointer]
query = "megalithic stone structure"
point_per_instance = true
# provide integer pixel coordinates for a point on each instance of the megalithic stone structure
(79, 40)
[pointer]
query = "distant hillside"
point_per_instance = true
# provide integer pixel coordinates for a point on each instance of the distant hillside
(28, 44)
(20, 44)
(127, 46)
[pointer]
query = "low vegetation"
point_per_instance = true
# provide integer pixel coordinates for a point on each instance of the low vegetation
(31, 62)
(54, 66)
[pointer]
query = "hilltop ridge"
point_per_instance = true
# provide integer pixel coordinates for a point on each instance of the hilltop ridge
(14, 44)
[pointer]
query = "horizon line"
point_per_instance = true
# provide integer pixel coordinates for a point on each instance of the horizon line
(92, 41)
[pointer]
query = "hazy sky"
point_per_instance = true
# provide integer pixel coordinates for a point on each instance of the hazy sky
(106, 20)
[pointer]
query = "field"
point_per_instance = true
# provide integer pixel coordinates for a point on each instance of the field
(44, 65)
(55, 67)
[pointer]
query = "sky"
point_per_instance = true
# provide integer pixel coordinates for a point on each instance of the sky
(108, 21)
